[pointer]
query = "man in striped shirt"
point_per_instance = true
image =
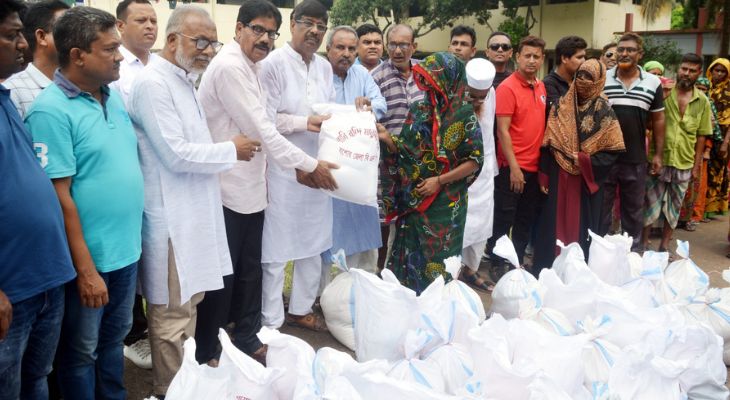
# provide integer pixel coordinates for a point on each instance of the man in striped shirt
(395, 79)
(635, 96)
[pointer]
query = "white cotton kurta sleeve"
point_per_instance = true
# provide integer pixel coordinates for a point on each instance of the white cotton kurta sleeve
(243, 103)
(154, 112)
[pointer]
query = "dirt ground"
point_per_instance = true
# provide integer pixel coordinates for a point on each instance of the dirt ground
(708, 246)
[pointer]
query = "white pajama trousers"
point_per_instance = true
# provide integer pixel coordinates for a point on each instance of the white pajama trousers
(471, 256)
(305, 282)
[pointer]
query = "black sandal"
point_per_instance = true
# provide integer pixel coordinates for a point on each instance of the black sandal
(477, 282)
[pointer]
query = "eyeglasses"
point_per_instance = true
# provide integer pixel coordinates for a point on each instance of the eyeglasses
(609, 54)
(307, 24)
(503, 46)
(629, 50)
(203, 43)
(259, 30)
(401, 46)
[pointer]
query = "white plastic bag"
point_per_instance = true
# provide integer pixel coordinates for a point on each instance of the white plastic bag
(711, 309)
(350, 140)
(575, 299)
(384, 312)
(570, 263)
(642, 289)
(411, 369)
(683, 277)
(515, 286)
(338, 303)
(464, 296)
(599, 355)
(531, 309)
(544, 388)
(294, 356)
(609, 258)
(194, 381)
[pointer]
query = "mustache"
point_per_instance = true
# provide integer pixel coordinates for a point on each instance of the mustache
(262, 46)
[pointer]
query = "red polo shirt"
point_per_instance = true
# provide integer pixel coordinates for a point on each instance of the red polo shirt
(525, 103)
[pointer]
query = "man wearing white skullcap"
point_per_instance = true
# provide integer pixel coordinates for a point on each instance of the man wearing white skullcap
(480, 212)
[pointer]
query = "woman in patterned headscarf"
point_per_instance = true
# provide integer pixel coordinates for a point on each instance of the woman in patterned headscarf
(581, 143)
(717, 173)
(693, 209)
(426, 170)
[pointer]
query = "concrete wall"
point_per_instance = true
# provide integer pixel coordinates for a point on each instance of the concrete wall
(610, 18)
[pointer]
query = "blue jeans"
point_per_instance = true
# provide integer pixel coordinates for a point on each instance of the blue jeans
(26, 353)
(91, 352)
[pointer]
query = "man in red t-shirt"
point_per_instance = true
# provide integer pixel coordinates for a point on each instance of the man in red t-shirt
(520, 128)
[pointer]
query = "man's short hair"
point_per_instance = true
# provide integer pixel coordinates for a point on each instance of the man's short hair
(365, 29)
(532, 41)
(40, 16)
(7, 7)
(608, 46)
(340, 28)
(568, 46)
(631, 36)
(310, 8)
(498, 33)
(252, 9)
(177, 18)
(691, 58)
(401, 26)
(124, 5)
(464, 30)
(79, 27)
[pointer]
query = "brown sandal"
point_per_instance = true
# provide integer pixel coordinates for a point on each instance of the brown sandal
(310, 321)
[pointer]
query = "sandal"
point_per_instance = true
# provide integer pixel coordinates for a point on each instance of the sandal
(477, 282)
(311, 321)
(690, 226)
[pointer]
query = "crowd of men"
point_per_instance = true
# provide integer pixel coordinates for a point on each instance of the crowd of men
(193, 171)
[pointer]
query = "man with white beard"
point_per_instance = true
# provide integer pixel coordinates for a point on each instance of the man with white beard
(184, 246)
(480, 210)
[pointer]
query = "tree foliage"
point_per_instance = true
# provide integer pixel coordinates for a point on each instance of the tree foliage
(516, 26)
(437, 14)
(662, 50)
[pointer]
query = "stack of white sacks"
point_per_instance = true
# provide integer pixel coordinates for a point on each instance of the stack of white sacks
(618, 327)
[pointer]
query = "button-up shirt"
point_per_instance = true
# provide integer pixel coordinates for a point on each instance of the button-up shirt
(180, 164)
(235, 103)
(25, 86)
(129, 68)
(357, 83)
(298, 216)
(399, 94)
(682, 130)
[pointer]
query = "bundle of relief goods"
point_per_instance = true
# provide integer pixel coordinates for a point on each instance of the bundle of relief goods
(349, 139)
(338, 302)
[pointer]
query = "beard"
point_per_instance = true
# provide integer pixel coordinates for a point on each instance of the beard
(685, 83)
(188, 63)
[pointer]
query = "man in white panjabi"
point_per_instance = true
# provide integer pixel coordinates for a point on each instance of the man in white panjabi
(298, 220)
(184, 247)
(480, 210)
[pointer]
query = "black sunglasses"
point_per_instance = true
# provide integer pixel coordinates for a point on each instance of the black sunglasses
(504, 46)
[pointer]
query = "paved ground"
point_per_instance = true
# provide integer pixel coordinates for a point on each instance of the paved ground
(708, 246)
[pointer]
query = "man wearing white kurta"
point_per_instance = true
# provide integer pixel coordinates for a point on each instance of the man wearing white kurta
(298, 220)
(184, 246)
(480, 212)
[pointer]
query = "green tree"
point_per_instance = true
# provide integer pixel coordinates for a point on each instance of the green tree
(437, 14)
(516, 26)
(662, 50)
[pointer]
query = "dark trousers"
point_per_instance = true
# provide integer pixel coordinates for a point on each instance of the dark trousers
(631, 182)
(514, 211)
(240, 299)
(139, 322)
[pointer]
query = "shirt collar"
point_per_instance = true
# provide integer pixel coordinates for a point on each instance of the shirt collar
(524, 82)
(129, 57)
(235, 49)
(37, 76)
(293, 53)
(673, 95)
(181, 73)
(71, 90)
(615, 72)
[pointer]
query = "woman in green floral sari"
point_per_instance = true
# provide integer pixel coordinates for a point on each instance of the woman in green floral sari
(426, 172)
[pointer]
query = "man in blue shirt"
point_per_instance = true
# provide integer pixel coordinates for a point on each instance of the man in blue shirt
(35, 262)
(356, 228)
(86, 143)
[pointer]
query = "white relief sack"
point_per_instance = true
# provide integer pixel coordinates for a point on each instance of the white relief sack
(350, 140)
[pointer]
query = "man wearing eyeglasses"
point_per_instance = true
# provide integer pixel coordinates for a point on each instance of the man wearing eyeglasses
(637, 98)
(499, 52)
(185, 252)
(298, 219)
(234, 102)
(395, 80)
